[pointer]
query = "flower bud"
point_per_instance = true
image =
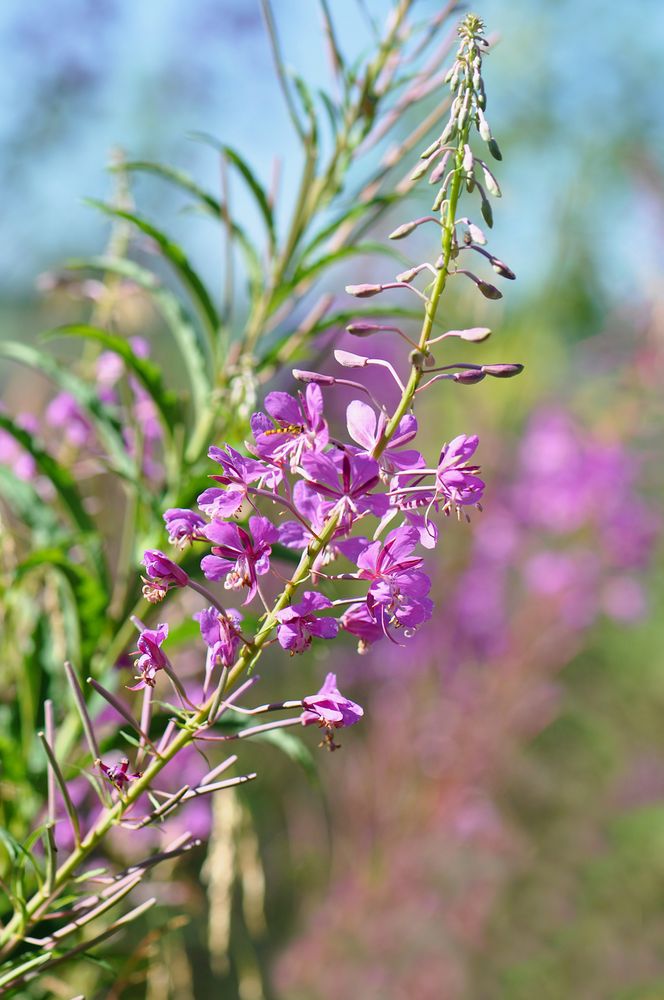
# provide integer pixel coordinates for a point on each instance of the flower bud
(315, 377)
(483, 126)
(448, 132)
(420, 170)
(502, 269)
(430, 150)
(407, 276)
(490, 181)
(487, 211)
(349, 360)
(468, 377)
(405, 230)
(503, 370)
(363, 329)
(474, 335)
(417, 359)
(468, 159)
(488, 290)
(494, 149)
(476, 234)
(439, 200)
(364, 291)
(440, 168)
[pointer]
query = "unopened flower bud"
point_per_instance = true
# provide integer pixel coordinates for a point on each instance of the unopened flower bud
(494, 149)
(502, 269)
(417, 359)
(405, 230)
(363, 329)
(487, 211)
(491, 182)
(470, 183)
(503, 370)
(420, 170)
(349, 360)
(407, 276)
(476, 234)
(483, 126)
(315, 377)
(440, 168)
(364, 291)
(439, 200)
(488, 290)
(474, 335)
(468, 377)
(430, 150)
(468, 159)
(448, 132)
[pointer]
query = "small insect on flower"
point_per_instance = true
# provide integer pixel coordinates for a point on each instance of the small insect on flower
(118, 774)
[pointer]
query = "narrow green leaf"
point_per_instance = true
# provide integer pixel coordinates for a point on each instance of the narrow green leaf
(243, 168)
(186, 335)
(90, 596)
(61, 478)
(177, 258)
(145, 371)
(177, 177)
(353, 214)
(26, 504)
(294, 748)
(361, 249)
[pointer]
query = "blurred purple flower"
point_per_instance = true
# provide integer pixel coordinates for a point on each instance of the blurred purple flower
(64, 412)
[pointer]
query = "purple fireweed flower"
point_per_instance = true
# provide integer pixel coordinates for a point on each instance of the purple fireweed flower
(366, 429)
(298, 623)
(118, 774)
(330, 710)
(151, 659)
(295, 425)
(455, 479)
(238, 555)
(344, 482)
(183, 525)
(238, 473)
(64, 412)
(398, 588)
(367, 627)
(221, 636)
(162, 573)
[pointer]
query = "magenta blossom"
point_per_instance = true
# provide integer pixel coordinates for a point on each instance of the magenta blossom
(64, 412)
(367, 429)
(455, 479)
(151, 659)
(398, 588)
(330, 710)
(344, 482)
(162, 573)
(367, 626)
(296, 426)
(183, 525)
(238, 473)
(118, 774)
(298, 623)
(238, 555)
(221, 636)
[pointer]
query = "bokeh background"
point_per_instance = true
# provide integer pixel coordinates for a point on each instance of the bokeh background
(496, 830)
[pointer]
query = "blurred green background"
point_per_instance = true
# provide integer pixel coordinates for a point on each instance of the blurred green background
(497, 830)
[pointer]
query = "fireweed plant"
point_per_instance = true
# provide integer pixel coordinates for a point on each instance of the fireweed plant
(332, 526)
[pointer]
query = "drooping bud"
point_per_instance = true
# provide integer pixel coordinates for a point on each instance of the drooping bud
(474, 335)
(488, 290)
(350, 360)
(494, 149)
(503, 370)
(468, 159)
(490, 181)
(363, 329)
(315, 377)
(487, 211)
(408, 275)
(440, 168)
(408, 227)
(468, 377)
(364, 291)
(483, 126)
(502, 269)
